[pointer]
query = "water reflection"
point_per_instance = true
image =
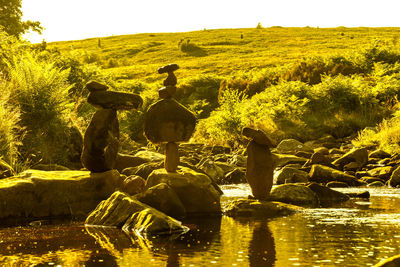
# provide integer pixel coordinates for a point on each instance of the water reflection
(262, 245)
(355, 233)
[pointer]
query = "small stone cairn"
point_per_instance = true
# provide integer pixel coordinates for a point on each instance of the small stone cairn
(260, 166)
(167, 121)
(101, 140)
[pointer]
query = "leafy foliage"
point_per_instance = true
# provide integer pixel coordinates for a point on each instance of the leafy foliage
(10, 19)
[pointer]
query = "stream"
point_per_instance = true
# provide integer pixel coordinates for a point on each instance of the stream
(358, 232)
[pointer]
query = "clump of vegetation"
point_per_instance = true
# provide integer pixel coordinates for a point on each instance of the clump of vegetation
(190, 48)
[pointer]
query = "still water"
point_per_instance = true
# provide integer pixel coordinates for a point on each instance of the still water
(356, 233)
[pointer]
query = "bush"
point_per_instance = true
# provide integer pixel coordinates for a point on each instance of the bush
(40, 92)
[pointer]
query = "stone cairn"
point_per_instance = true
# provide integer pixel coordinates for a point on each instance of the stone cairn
(260, 166)
(101, 140)
(167, 121)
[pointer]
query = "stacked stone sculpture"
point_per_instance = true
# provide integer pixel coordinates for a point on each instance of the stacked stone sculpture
(260, 165)
(167, 121)
(101, 140)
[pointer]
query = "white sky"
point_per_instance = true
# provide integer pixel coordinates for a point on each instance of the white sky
(80, 19)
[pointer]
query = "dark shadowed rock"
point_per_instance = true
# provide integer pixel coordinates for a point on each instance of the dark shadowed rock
(260, 168)
(324, 174)
(358, 155)
(171, 157)
(336, 184)
(5, 169)
(259, 209)
(295, 194)
(290, 175)
(381, 172)
(376, 184)
(163, 198)
(133, 185)
(124, 161)
(236, 176)
(394, 180)
(257, 135)
(326, 195)
(168, 121)
(390, 262)
(101, 144)
(144, 169)
(114, 100)
(94, 86)
(380, 154)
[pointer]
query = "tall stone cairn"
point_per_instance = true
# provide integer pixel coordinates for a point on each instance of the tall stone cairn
(260, 165)
(167, 121)
(101, 140)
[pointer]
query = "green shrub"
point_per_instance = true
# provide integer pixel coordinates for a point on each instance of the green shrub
(40, 92)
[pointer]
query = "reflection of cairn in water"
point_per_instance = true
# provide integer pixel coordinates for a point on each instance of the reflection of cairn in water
(101, 140)
(260, 167)
(168, 121)
(262, 246)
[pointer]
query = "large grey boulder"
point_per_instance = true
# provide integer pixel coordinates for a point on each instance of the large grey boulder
(198, 193)
(394, 180)
(291, 146)
(295, 194)
(358, 155)
(326, 195)
(37, 194)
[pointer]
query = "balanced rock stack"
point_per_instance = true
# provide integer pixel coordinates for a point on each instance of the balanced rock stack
(101, 140)
(260, 165)
(168, 121)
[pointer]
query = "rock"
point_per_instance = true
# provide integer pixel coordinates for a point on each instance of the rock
(237, 176)
(294, 194)
(326, 195)
(319, 158)
(114, 100)
(324, 174)
(5, 169)
(303, 154)
(133, 185)
(166, 92)
(163, 198)
(336, 184)
(225, 166)
(171, 157)
(50, 167)
(215, 172)
(359, 155)
(216, 150)
(322, 150)
(260, 169)
(124, 161)
(290, 175)
(94, 86)
(381, 172)
(100, 144)
(168, 121)
(38, 194)
(196, 191)
(150, 222)
(291, 145)
(380, 154)
(376, 184)
(365, 195)
(148, 156)
(369, 179)
(259, 209)
(168, 68)
(336, 151)
(391, 262)
(394, 180)
(238, 160)
(121, 210)
(144, 169)
(281, 160)
(257, 135)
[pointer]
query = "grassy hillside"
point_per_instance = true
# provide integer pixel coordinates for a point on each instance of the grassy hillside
(219, 52)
